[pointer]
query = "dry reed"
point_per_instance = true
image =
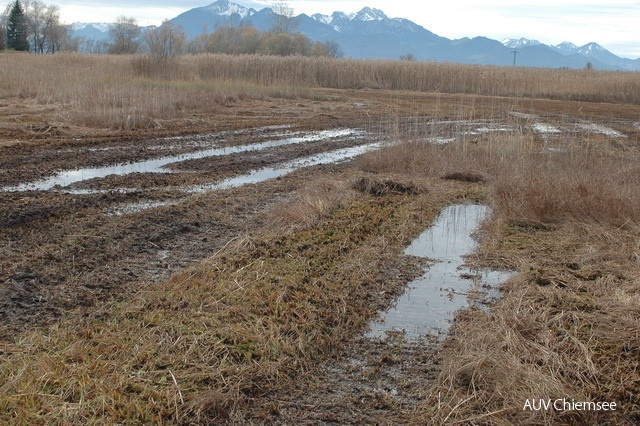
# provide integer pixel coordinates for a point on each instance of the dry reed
(124, 92)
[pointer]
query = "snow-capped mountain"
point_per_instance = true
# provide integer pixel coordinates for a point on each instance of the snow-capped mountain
(369, 14)
(227, 8)
(370, 33)
(592, 49)
(567, 48)
(337, 19)
(100, 26)
(519, 43)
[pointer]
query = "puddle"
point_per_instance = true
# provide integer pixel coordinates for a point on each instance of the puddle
(481, 130)
(285, 168)
(430, 302)
(254, 176)
(596, 128)
(523, 115)
(138, 207)
(158, 165)
(440, 141)
(545, 128)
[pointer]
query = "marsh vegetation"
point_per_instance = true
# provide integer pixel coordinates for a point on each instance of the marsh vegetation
(239, 305)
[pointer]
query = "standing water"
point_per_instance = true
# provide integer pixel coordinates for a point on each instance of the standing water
(431, 300)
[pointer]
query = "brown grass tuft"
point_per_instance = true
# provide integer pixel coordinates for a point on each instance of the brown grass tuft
(466, 176)
(380, 186)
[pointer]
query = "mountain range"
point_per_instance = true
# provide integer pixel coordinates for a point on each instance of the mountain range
(370, 34)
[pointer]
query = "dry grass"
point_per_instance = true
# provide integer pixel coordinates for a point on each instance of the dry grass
(568, 324)
(122, 92)
(199, 347)
(112, 92)
(310, 205)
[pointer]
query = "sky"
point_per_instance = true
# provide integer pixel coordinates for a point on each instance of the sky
(614, 24)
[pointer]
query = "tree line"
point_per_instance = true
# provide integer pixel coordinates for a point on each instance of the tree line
(30, 25)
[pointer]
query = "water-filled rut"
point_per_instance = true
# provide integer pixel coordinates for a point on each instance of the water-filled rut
(431, 300)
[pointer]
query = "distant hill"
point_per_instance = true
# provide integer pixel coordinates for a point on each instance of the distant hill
(370, 34)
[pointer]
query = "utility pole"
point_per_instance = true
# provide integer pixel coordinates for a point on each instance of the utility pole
(515, 52)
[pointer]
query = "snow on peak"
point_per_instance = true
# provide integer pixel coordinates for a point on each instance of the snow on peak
(568, 47)
(516, 43)
(591, 49)
(100, 26)
(227, 8)
(325, 19)
(370, 14)
(338, 19)
(340, 16)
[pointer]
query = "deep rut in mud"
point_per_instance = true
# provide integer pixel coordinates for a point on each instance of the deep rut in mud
(66, 249)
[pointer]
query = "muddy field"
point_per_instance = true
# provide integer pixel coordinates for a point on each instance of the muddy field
(89, 218)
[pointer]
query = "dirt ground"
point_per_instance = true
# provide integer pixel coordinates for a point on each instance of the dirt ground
(66, 250)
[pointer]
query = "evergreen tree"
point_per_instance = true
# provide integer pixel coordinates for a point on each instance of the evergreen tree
(17, 29)
(2, 43)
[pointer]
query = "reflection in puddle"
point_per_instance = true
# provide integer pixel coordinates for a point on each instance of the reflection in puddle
(157, 165)
(285, 168)
(544, 128)
(256, 176)
(431, 300)
(139, 206)
(523, 115)
(596, 128)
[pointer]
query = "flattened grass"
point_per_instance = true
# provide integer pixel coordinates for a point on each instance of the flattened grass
(198, 347)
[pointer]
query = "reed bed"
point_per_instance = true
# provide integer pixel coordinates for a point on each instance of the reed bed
(130, 92)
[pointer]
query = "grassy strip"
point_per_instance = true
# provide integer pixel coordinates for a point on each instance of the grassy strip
(568, 325)
(201, 345)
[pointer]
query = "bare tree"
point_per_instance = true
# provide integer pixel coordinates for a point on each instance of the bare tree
(166, 41)
(59, 39)
(43, 23)
(125, 36)
(332, 49)
(283, 22)
(92, 46)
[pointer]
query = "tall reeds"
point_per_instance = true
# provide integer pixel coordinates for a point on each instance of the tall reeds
(131, 92)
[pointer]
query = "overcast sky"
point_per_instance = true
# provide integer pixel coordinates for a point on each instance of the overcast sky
(614, 24)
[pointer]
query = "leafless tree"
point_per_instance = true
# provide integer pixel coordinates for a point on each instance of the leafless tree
(283, 22)
(44, 30)
(125, 36)
(166, 41)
